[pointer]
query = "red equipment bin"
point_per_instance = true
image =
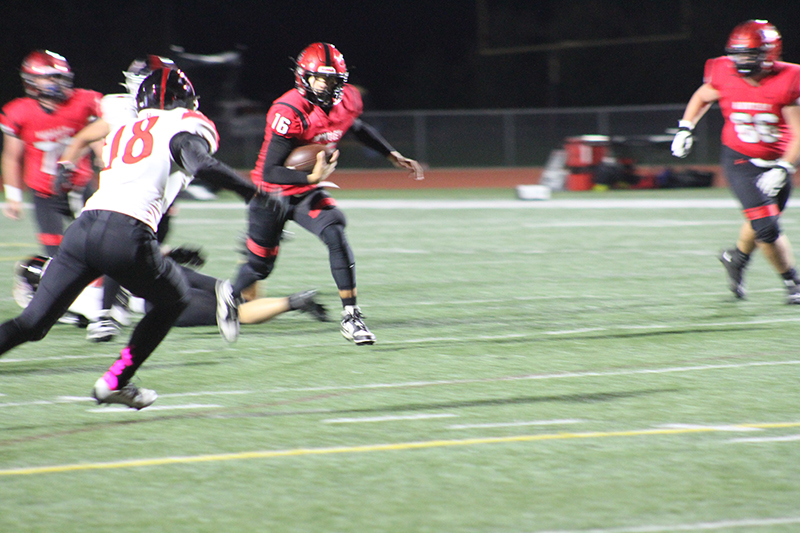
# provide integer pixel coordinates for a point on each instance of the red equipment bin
(584, 153)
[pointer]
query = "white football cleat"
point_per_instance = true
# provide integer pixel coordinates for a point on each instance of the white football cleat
(129, 395)
(103, 329)
(353, 327)
(227, 311)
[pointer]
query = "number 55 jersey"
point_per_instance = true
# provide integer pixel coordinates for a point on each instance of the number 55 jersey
(141, 177)
(754, 122)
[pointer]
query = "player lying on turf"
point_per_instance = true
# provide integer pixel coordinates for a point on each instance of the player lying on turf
(201, 310)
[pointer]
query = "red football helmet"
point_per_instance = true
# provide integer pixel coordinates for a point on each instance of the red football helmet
(43, 64)
(754, 47)
(321, 60)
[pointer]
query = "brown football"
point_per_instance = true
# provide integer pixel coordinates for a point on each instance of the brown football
(305, 157)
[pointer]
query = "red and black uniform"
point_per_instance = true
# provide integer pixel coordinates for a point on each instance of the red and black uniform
(754, 135)
(46, 135)
(293, 121)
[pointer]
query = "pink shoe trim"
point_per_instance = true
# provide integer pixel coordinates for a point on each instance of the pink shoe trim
(112, 376)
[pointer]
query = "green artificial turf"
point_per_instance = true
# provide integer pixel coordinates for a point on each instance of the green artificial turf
(537, 369)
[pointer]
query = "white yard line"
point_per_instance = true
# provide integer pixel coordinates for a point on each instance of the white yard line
(121, 409)
(589, 203)
(638, 224)
(723, 427)
(386, 418)
(205, 393)
(368, 386)
(56, 358)
(698, 526)
(80, 399)
(517, 424)
(560, 375)
(785, 438)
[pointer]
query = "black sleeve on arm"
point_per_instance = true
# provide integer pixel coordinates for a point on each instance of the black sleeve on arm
(190, 151)
(370, 137)
(274, 172)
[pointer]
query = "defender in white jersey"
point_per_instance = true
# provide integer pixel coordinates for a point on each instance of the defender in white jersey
(116, 110)
(148, 161)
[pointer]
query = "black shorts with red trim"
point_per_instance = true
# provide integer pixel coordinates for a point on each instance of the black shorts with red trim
(742, 175)
(314, 211)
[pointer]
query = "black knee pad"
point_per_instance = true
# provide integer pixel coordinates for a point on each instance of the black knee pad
(767, 229)
(333, 235)
(334, 238)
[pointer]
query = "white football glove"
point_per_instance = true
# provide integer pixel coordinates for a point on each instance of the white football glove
(772, 181)
(682, 143)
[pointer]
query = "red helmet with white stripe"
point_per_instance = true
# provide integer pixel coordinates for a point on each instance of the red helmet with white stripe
(321, 60)
(46, 75)
(754, 47)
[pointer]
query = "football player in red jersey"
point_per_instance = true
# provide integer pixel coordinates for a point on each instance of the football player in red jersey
(759, 97)
(36, 130)
(320, 109)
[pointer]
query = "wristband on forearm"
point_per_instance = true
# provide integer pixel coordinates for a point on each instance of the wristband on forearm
(13, 194)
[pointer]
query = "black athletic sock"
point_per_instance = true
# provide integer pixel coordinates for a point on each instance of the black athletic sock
(791, 275)
(739, 258)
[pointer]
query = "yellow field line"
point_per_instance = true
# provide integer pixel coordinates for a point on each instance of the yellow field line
(400, 446)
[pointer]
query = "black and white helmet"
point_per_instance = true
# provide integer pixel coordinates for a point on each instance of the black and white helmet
(141, 68)
(166, 89)
(27, 274)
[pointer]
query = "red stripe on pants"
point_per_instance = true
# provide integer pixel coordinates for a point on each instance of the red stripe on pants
(319, 206)
(764, 211)
(261, 251)
(49, 239)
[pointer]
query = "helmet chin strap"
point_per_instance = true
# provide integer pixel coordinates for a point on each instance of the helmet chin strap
(749, 70)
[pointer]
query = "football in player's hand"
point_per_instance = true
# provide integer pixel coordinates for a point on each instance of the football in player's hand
(305, 157)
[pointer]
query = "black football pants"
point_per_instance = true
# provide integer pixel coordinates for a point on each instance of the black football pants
(97, 243)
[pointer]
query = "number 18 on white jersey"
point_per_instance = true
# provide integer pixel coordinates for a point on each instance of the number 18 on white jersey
(141, 179)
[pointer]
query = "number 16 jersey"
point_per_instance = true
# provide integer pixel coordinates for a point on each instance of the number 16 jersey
(754, 123)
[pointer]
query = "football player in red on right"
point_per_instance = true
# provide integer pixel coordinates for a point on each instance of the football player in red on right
(320, 109)
(759, 97)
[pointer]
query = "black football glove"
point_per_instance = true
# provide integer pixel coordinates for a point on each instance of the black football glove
(184, 255)
(65, 171)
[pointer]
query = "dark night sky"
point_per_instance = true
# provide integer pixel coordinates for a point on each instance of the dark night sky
(408, 55)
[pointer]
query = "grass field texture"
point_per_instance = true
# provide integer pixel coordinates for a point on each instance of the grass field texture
(571, 365)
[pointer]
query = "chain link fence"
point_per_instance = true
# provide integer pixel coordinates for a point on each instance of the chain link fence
(501, 138)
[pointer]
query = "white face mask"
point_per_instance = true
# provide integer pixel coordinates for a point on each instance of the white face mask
(133, 81)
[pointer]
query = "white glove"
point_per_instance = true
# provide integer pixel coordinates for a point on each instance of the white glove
(772, 181)
(682, 143)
